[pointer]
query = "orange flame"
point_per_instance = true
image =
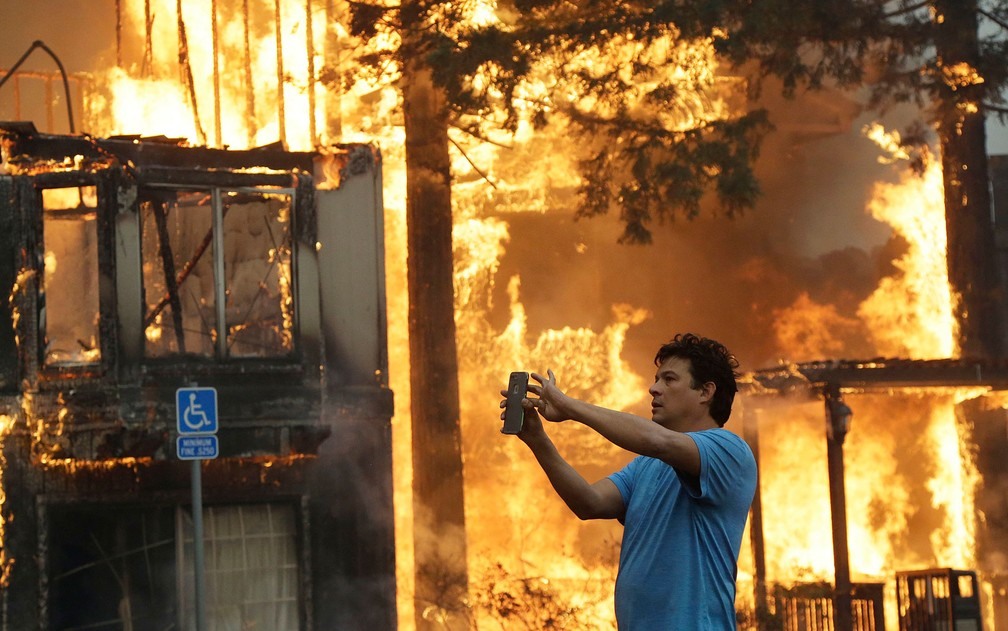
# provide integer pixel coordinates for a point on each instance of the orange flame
(911, 315)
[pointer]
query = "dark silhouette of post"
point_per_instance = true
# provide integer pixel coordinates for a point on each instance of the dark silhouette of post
(750, 431)
(838, 416)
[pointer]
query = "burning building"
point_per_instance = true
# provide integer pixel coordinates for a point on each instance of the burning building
(911, 485)
(137, 266)
(102, 334)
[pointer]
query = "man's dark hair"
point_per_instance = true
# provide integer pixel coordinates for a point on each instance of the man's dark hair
(709, 361)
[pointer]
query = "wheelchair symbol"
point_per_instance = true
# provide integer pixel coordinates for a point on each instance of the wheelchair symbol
(193, 416)
(196, 410)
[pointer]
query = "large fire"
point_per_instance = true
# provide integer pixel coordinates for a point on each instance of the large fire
(254, 73)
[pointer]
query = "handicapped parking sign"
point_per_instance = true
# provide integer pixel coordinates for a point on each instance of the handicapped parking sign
(196, 409)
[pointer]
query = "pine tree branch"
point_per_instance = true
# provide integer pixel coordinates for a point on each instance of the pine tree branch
(993, 19)
(905, 10)
(479, 171)
(481, 137)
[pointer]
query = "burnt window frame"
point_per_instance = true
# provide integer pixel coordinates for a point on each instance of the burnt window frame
(58, 374)
(300, 188)
(221, 351)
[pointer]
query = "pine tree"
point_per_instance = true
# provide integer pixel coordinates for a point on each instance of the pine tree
(440, 568)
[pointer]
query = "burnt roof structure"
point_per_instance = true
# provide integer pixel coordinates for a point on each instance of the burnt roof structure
(877, 374)
(25, 144)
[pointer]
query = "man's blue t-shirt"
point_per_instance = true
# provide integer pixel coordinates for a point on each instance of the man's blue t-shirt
(679, 556)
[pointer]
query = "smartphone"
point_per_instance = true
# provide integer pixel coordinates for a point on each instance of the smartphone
(514, 414)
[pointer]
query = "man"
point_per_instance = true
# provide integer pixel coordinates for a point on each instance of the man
(683, 501)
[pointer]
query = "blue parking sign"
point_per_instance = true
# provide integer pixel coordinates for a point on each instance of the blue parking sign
(196, 410)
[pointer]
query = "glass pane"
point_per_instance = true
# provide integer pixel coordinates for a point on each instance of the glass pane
(178, 278)
(257, 270)
(70, 235)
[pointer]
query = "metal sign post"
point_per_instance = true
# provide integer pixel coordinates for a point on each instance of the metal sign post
(196, 418)
(198, 565)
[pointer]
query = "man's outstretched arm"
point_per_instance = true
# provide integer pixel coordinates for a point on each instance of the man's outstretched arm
(601, 500)
(629, 431)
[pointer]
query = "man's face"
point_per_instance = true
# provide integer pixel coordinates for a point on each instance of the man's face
(674, 403)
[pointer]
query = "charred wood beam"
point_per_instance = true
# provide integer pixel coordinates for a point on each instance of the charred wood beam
(118, 32)
(172, 294)
(9, 241)
(234, 480)
(215, 41)
(183, 56)
(310, 44)
(278, 28)
(330, 72)
(881, 374)
(223, 179)
(169, 272)
(159, 155)
(842, 587)
(750, 431)
(147, 67)
(250, 108)
(75, 179)
(169, 296)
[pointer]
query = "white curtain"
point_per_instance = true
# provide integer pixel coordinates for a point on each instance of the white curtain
(251, 570)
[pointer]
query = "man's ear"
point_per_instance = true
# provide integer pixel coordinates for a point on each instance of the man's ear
(707, 392)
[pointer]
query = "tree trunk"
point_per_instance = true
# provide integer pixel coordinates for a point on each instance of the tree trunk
(439, 517)
(972, 260)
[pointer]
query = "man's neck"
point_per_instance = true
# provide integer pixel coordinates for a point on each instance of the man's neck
(696, 425)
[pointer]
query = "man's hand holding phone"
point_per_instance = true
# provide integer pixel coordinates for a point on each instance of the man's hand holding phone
(514, 413)
(525, 420)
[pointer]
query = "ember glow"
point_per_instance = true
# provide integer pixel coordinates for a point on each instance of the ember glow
(6, 424)
(256, 79)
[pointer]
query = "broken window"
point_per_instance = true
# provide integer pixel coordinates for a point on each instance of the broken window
(69, 309)
(217, 271)
(130, 567)
(111, 567)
